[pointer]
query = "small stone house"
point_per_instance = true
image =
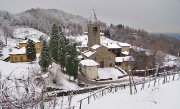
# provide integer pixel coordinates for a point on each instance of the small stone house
(124, 62)
(89, 68)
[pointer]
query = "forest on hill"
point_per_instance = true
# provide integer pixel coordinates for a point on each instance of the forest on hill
(141, 38)
(42, 20)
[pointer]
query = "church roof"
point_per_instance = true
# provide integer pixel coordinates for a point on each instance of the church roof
(89, 62)
(89, 53)
(93, 17)
(95, 46)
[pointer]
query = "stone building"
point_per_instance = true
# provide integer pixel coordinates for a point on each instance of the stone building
(105, 54)
(101, 55)
(89, 68)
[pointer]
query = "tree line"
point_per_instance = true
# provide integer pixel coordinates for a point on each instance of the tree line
(60, 51)
(42, 20)
(157, 44)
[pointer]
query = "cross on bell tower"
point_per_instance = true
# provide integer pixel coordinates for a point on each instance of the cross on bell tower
(93, 30)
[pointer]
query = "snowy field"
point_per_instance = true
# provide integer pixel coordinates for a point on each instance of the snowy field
(162, 96)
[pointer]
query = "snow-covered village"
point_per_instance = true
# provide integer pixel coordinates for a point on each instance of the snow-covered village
(50, 59)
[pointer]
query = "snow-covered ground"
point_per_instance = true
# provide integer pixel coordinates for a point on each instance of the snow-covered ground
(162, 96)
(109, 72)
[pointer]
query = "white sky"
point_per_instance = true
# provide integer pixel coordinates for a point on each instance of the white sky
(151, 15)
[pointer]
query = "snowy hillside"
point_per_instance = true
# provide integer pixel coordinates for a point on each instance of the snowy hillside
(29, 33)
(163, 96)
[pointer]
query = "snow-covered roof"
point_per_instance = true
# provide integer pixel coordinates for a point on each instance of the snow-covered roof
(125, 52)
(124, 44)
(80, 56)
(88, 62)
(25, 41)
(119, 59)
(112, 45)
(85, 51)
(18, 51)
(95, 46)
(124, 59)
(89, 53)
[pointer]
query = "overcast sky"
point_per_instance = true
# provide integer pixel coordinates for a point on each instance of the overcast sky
(151, 15)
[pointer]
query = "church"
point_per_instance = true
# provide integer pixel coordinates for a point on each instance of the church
(98, 54)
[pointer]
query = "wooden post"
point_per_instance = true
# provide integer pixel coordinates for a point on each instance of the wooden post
(70, 98)
(173, 76)
(94, 96)
(88, 99)
(130, 82)
(80, 104)
(157, 68)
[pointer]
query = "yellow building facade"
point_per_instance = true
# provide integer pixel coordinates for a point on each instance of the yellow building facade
(37, 45)
(18, 58)
(18, 55)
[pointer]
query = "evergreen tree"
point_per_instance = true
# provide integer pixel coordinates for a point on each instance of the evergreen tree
(44, 59)
(62, 49)
(71, 61)
(107, 33)
(30, 50)
(62, 52)
(53, 44)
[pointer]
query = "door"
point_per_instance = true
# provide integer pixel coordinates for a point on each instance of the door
(102, 64)
(21, 59)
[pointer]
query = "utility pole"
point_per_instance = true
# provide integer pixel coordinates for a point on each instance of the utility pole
(130, 81)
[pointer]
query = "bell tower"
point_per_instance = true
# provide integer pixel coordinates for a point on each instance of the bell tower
(93, 30)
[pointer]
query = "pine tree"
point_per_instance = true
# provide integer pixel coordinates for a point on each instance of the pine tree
(30, 50)
(53, 44)
(44, 59)
(107, 33)
(62, 52)
(71, 61)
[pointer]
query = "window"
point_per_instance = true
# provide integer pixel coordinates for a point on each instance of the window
(95, 29)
